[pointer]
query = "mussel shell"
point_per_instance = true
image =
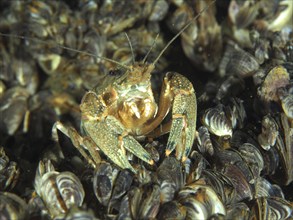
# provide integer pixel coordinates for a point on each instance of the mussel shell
(276, 78)
(12, 206)
(77, 213)
(281, 208)
(172, 210)
(122, 184)
(141, 203)
(37, 208)
(262, 50)
(238, 211)
(217, 122)
(252, 156)
(70, 188)
(263, 188)
(242, 14)
(171, 170)
(221, 184)
(103, 182)
(287, 105)
(151, 148)
(144, 176)
(167, 190)
(237, 62)
(284, 150)
(170, 178)
(69, 192)
(2, 88)
(197, 166)
(271, 208)
(4, 160)
(13, 106)
(270, 132)
(289, 52)
(149, 206)
(201, 201)
(204, 141)
(240, 182)
(124, 210)
(271, 161)
(159, 10)
(180, 17)
(59, 191)
(26, 74)
(195, 209)
(9, 172)
(238, 113)
(134, 197)
(114, 17)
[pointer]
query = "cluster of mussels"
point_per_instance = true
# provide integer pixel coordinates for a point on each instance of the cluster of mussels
(238, 52)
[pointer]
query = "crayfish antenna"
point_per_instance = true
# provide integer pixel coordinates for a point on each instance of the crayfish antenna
(66, 48)
(181, 31)
(146, 56)
(131, 48)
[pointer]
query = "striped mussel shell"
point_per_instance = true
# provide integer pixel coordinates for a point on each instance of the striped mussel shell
(59, 190)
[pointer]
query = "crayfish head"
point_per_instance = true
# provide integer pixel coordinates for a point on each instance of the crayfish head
(140, 72)
(135, 82)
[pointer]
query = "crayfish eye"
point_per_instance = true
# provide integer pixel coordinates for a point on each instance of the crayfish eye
(115, 72)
